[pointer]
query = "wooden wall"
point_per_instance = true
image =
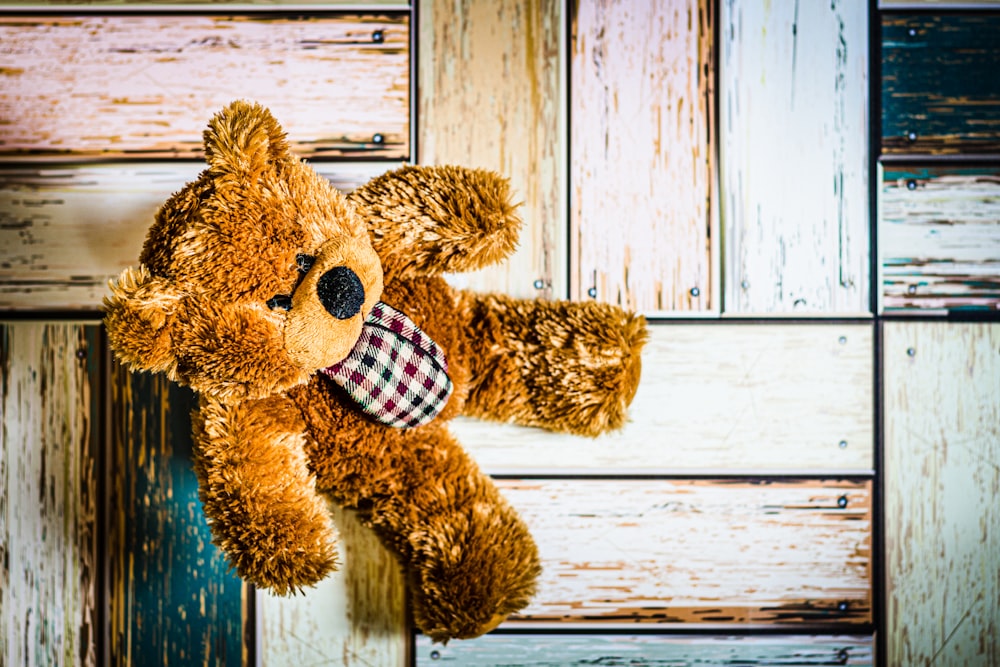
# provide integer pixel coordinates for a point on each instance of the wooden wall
(809, 472)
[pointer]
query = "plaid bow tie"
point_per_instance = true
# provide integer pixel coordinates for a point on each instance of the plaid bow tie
(395, 373)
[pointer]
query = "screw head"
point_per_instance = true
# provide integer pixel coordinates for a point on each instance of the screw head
(913, 32)
(911, 136)
(81, 353)
(377, 138)
(695, 291)
(912, 289)
(842, 444)
(539, 284)
(911, 184)
(911, 351)
(378, 36)
(592, 292)
(435, 655)
(745, 284)
(842, 340)
(842, 502)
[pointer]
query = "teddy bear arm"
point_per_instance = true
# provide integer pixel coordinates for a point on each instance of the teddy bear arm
(259, 495)
(569, 367)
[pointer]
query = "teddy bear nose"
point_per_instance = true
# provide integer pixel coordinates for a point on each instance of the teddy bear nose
(341, 292)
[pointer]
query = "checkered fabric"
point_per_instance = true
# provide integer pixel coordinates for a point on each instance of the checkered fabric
(395, 372)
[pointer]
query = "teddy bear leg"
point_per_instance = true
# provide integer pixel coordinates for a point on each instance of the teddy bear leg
(259, 495)
(565, 366)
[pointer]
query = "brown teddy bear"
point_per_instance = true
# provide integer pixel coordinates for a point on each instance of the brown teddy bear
(329, 354)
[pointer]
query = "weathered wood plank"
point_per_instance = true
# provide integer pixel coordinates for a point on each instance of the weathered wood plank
(705, 552)
(357, 616)
(729, 397)
(173, 600)
(49, 498)
(146, 85)
(940, 90)
(65, 231)
(939, 238)
(793, 156)
(938, 4)
(942, 479)
(490, 96)
(509, 650)
(69, 4)
(642, 143)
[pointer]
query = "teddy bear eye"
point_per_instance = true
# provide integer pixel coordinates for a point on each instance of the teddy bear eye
(280, 302)
(304, 262)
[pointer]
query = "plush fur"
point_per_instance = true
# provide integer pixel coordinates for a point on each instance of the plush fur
(225, 300)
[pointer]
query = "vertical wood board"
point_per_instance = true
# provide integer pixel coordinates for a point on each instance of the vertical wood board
(490, 96)
(732, 398)
(642, 142)
(942, 479)
(793, 150)
(173, 599)
(940, 89)
(49, 496)
(355, 617)
(146, 85)
(702, 552)
(939, 238)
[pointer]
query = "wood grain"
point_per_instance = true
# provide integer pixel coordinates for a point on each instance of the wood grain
(939, 238)
(357, 616)
(642, 142)
(490, 96)
(49, 499)
(702, 552)
(940, 90)
(506, 650)
(942, 479)
(146, 85)
(731, 398)
(793, 150)
(173, 599)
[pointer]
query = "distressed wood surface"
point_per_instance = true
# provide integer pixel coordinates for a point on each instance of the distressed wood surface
(642, 143)
(131, 4)
(49, 498)
(509, 650)
(942, 479)
(173, 599)
(938, 4)
(491, 96)
(66, 230)
(939, 238)
(793, 151)
(704, 552)
(355, 617)
(146, 85)
(728, 398)
(940, 89)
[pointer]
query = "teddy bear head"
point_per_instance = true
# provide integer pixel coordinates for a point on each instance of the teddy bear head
(252, 277)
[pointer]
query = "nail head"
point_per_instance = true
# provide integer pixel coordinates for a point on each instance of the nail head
(81, 353)
(911, 352)
(911, 184)
(745, 284)
(377, 138)
(843, 444)
(912, 289)
(695, 291)
(539, 284)
(378, 36)
(592, 292)
(842, 502)
(842, 340)
(435, 655)
(911, 136)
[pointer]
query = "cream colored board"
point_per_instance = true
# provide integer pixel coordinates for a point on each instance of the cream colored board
(699, 552)
(642, 144)
(355, 617)
(48, 496)
(146, 85)
(128, 5)
(942, 479)
(491, 96)
(727, 397)
(938, 4)
(793, 155)
(65, 231)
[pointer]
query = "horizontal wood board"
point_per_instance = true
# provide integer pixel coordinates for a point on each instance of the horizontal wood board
(49, 497)
(136, 85)
(942, 479)
(757, 398)
(793, 105)
(700, 552)
(491, 96)
(940, 89)
(939, 238)
(66, 230)
(642, 145)
(506, 650)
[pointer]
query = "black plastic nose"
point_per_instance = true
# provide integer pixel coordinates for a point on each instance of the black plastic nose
(341, 292)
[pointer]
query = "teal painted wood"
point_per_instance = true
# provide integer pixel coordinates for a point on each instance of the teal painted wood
(940, 83)
(173, 600)
(647, 650)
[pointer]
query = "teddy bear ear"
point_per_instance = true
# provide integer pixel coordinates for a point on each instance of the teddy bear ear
(139, 316)
(244, 138)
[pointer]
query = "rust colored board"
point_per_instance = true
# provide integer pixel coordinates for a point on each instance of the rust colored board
(942, 480)
(702, 552)
(139, 85)
(490, 87)
(793, 105)
(939, 238)
(49, 498)
(642, 142)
